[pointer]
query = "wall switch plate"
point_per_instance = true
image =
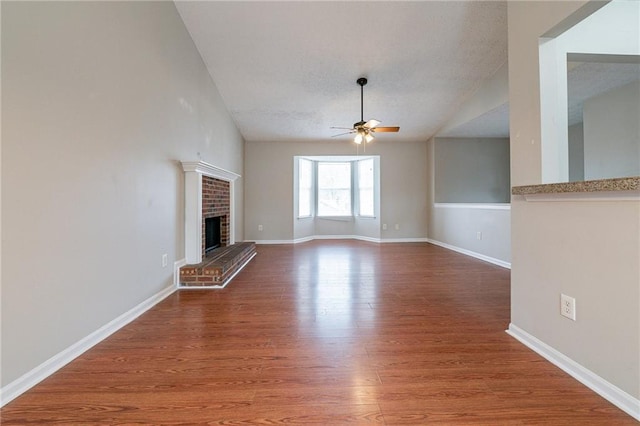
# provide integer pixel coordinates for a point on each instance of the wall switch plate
(568, 307)
(479, 235)
(397, 226)
(384, 226)
(260, 228)
(165, 259)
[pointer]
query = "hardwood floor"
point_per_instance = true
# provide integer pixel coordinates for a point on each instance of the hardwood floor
(325, 332)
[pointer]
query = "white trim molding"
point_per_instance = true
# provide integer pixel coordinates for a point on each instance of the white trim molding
(22, 384)
(193, 172)
(471, 253)
(176, 271)
(602, 387)
(209, 170)
(479, 206)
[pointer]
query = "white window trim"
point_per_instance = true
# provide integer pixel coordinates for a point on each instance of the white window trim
(313, 189)
(356, 184)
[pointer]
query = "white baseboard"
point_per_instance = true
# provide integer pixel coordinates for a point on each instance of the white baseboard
(472, 254)
(53, 364)
(343, 237)
(404, 240)
(259, 242)
(608, 391)
(176, 271)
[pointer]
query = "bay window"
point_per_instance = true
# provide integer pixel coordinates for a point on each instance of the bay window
(334, 188)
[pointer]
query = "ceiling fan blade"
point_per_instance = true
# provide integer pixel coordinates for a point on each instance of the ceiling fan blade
(345, 128)
(342, 134)
(371, 124)
(385, 129)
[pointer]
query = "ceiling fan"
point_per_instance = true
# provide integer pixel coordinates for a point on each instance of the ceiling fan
(364, 130)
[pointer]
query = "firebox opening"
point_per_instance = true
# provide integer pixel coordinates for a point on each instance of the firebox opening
(212, 233)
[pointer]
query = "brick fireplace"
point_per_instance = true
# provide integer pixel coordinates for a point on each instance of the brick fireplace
(209, 194)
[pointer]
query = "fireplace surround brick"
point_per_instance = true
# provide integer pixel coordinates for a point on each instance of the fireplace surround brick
(216, 201)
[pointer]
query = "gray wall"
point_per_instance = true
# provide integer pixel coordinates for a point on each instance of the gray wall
(456, 225)
(612, 133)
(585, 249)
(472, 170)
(269, 199)
(99, 102)
(576, 152)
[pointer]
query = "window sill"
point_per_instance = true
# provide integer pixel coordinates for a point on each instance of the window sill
(336, 218)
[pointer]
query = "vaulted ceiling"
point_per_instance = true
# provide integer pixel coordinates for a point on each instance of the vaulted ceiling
(288, 70)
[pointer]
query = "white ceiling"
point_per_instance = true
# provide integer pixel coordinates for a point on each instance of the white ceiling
(288, 70)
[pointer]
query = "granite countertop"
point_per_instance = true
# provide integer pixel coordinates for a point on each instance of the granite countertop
(601, 185)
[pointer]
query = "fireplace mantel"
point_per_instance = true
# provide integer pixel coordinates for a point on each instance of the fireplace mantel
(209, 170)
(193, 172)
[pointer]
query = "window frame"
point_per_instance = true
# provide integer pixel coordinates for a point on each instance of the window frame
(311, 187)
(359, 187)
(354, 192)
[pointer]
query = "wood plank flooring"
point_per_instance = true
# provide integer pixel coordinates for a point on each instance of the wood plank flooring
(325, 332)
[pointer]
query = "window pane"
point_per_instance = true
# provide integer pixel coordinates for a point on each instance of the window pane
(365, 187)
(304, 187)
(334, 189)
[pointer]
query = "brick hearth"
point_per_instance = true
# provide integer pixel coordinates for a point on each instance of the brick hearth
(219, 267)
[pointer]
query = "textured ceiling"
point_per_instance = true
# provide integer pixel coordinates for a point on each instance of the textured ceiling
(288, 70)
(491, 124)
(589, 79)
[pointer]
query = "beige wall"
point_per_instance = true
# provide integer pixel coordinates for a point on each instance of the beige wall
(586, 249)
(269, 188)
(99, 102)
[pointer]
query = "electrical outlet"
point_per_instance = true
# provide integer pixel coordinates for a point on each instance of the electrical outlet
(165, 259)
(568, 307)
(260, 228)
(479, 235)
(384, 226)
(397, 226)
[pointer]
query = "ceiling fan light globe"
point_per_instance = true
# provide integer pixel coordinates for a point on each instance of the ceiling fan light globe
(369, 137)
(358, 138)
(371, 124)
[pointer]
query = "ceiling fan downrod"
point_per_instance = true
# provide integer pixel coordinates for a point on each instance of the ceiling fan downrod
(361, 81)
